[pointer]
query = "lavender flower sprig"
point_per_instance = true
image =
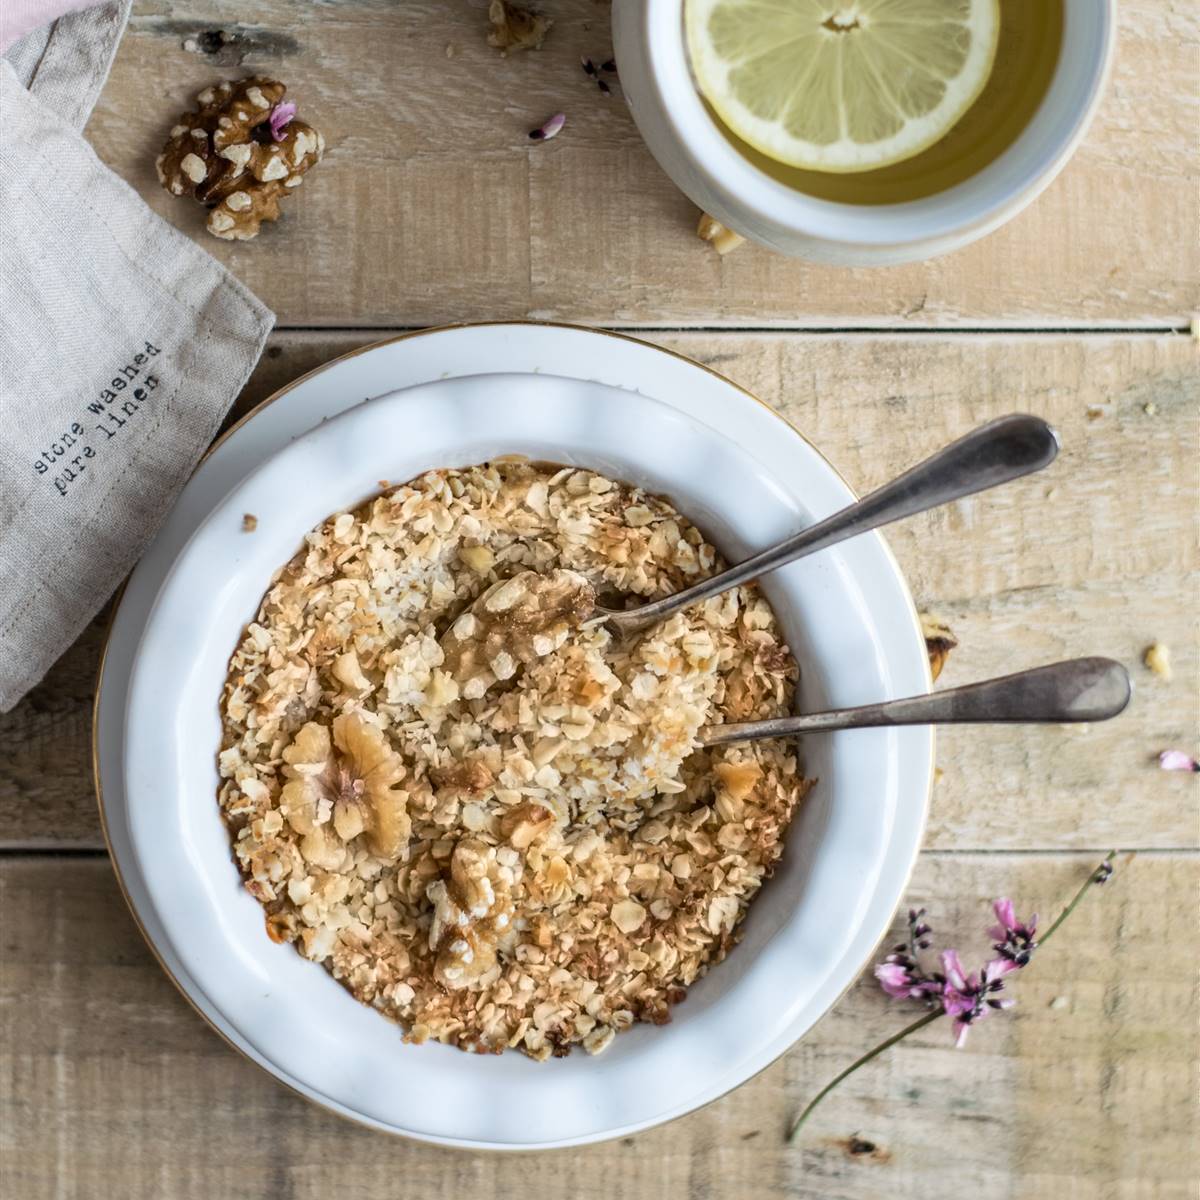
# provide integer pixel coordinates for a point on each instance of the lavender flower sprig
(951, 992)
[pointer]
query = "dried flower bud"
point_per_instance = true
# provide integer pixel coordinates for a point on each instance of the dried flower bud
(551, 128)
(1177, 760)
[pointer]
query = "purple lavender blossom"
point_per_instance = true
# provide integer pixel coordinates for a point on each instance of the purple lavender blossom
(951, 992)
(900, 982)
(964, 998)
(967, 999)
(1013, 940)
(901, 974)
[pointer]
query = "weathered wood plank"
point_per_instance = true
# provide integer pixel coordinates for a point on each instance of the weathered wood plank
(1097, 556)
(111, 1085)
(432, 204)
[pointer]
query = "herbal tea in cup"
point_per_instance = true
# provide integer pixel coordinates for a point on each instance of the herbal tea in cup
(873, 101)
(863, 132)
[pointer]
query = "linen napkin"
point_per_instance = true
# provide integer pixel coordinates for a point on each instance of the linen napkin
(122, 345)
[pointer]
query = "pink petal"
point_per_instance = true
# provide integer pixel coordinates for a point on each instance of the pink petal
(280, 118)
(1003, 908)
(961, 1028)
(954, 970)
(543, 133)
(954, 1003)
(999, 967)
(1177, 760)
(893, 978)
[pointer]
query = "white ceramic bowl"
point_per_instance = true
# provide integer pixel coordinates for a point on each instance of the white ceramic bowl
(655, 78)
(748, 479)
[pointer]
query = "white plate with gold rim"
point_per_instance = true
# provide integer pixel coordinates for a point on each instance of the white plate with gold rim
(448, 397)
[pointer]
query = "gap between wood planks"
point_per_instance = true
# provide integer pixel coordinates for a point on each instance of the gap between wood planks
(887, 331)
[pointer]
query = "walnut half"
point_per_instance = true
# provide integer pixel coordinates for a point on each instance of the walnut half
(348, 782)
(227, 155)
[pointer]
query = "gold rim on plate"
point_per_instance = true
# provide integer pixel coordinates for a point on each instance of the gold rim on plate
(220, 441)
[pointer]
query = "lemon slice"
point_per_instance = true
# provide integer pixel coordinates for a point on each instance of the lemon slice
(841, 85)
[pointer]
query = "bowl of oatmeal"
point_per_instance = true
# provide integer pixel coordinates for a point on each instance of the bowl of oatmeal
(416, 804)
(486, 815)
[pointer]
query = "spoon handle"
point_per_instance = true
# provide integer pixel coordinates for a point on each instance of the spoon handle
(995, 453)
(1080, 689)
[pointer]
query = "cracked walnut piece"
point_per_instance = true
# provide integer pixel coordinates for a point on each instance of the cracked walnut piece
(501, 833)
(226, 155)
(472, 914)
(516, 621)
(516, 28)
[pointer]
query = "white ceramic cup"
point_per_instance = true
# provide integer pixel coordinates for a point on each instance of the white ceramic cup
(655, 77)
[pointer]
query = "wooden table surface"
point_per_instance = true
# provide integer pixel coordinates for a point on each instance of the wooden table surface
(433, 206)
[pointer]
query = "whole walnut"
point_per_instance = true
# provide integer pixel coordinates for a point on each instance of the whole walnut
(238, 153)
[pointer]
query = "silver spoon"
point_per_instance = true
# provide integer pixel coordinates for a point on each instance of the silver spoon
(1002, 450)
(1080, 689)
(505, 624)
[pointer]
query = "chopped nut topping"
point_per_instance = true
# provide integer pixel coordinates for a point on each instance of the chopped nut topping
(739, 778)
(472, 915)
(472, 777)
(517, 620)
(525, 823)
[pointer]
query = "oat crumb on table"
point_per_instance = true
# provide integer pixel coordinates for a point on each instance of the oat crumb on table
(722, 238)
(539, 861)
(1157, 659)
